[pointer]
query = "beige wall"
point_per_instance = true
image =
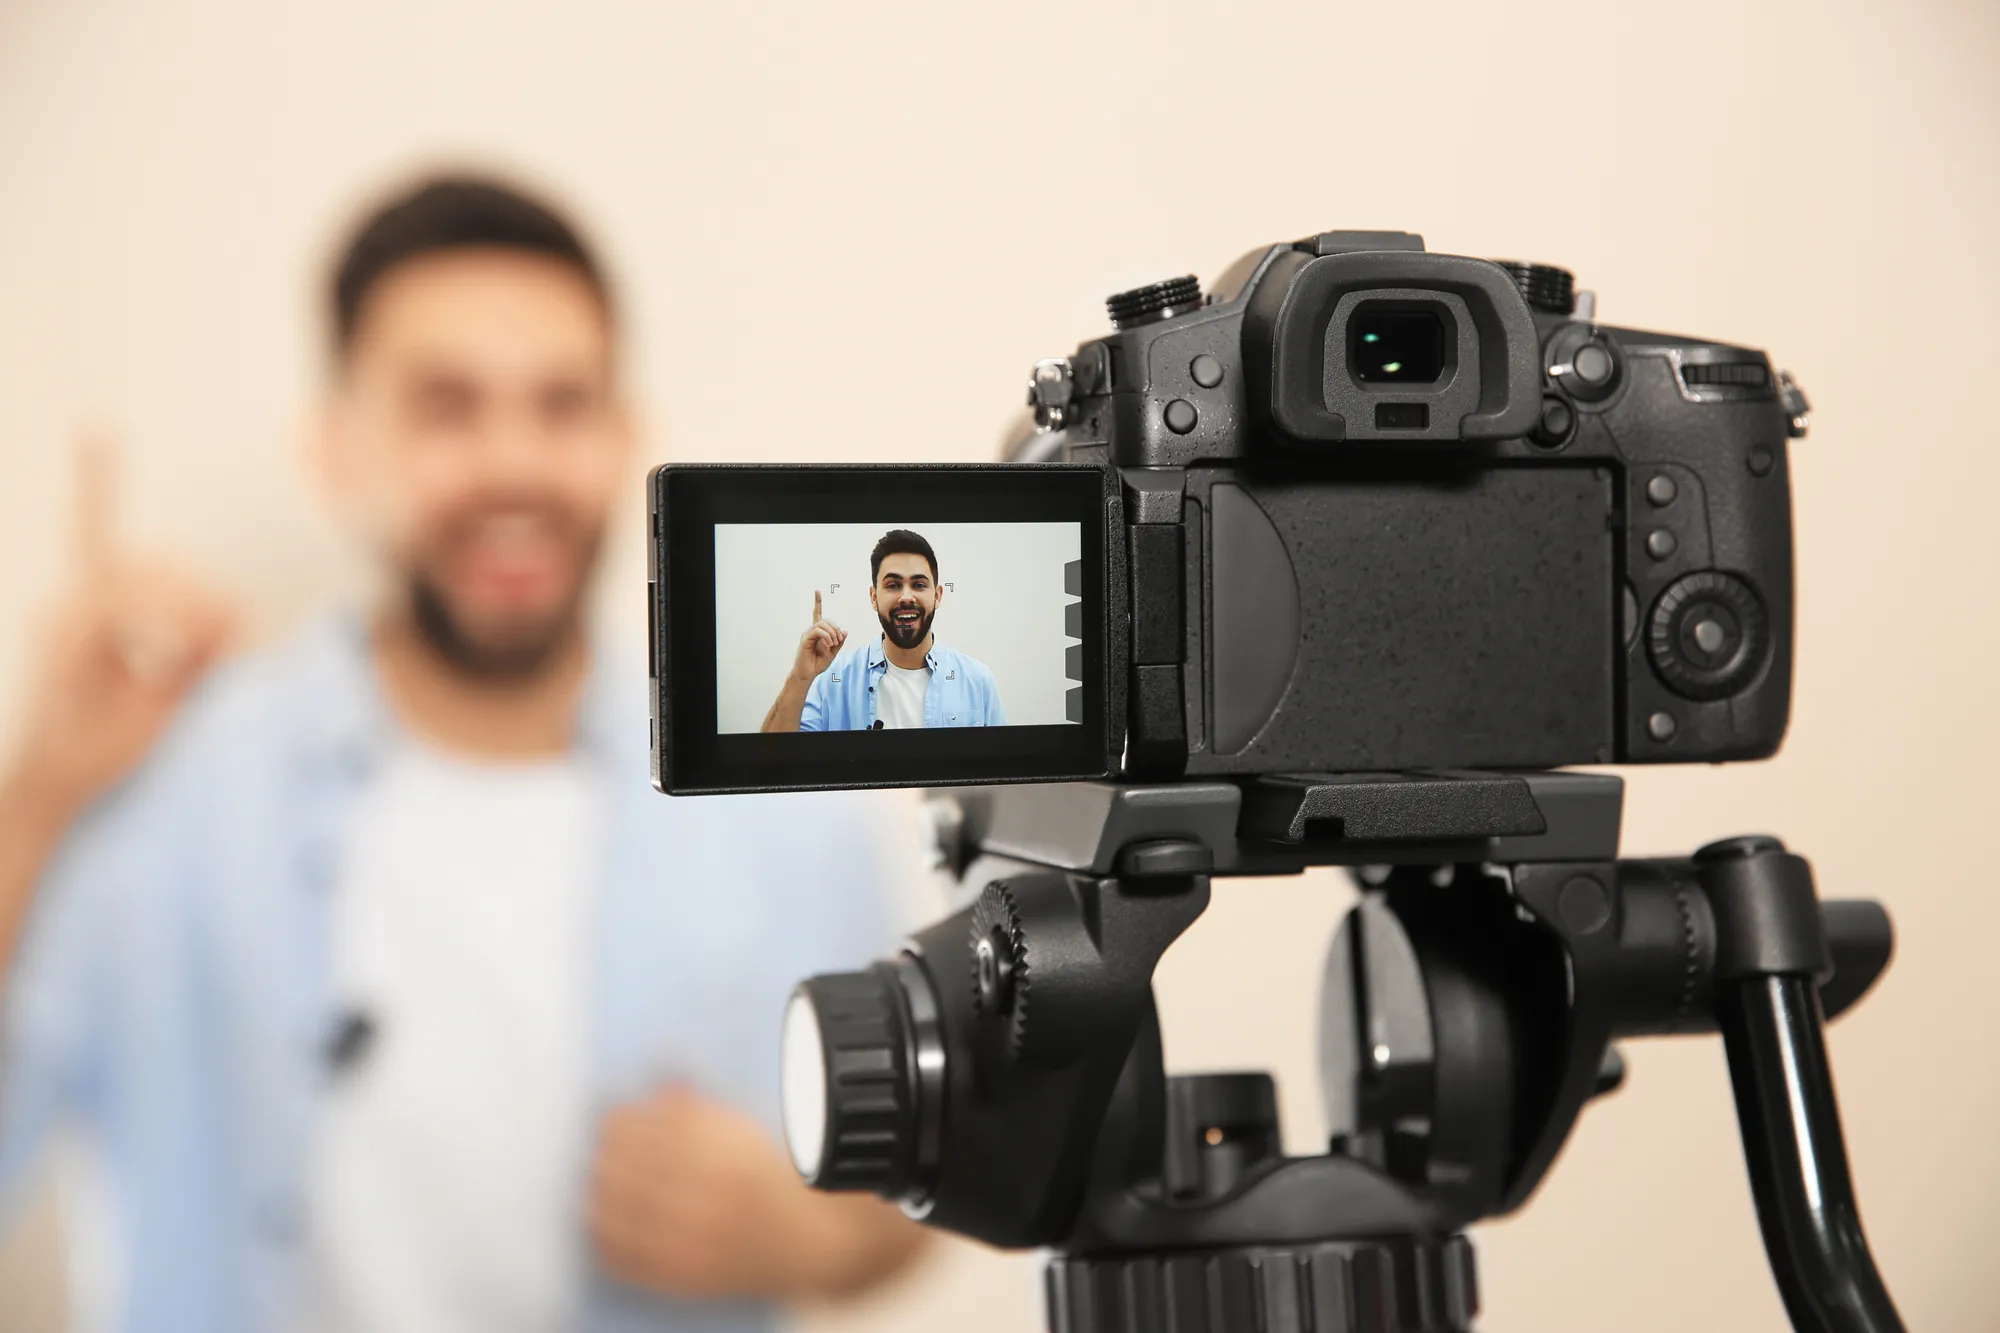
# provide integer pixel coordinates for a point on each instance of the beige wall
(848, 229)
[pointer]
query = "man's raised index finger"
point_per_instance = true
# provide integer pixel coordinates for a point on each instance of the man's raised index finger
(816, 615)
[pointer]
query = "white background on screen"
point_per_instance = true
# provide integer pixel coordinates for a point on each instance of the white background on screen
(1003, 605)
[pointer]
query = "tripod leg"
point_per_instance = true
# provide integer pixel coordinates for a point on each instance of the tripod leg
(1768, 1008)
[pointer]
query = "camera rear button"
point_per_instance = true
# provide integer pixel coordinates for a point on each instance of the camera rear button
(1558, 420)
(1661, 490)
(1207, 371)
(1592, 364)
(1180, 416)
(1660, 544)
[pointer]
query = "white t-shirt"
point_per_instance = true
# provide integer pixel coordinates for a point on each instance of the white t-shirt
(446, 1186)
(903, 692)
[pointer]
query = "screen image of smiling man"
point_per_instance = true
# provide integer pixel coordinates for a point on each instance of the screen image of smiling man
(903, 678)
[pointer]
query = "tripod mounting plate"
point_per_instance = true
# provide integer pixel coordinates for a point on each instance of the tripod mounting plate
(1284, 823)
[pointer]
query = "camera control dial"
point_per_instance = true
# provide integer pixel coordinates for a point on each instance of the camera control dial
(1708, 635)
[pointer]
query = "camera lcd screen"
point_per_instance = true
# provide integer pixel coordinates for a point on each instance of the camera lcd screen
(819, 627)
(896, 626)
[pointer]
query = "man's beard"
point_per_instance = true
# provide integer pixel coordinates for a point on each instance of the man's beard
(518, 658)
(910, 637)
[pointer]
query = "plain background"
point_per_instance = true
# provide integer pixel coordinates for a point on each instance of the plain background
(1003, 605)
(847, 231)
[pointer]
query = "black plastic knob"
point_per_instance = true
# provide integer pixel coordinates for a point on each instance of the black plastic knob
(850, 1108)
(1335, 1287)
(1152, 303)
(1708, 635)
(1545, 286)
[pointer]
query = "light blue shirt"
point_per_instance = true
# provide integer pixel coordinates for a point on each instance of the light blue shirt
(846, 695)
(172, 992)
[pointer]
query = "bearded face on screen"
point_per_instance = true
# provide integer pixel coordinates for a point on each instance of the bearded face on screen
(905, 596)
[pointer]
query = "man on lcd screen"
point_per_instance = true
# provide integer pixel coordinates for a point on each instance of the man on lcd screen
(904, 679)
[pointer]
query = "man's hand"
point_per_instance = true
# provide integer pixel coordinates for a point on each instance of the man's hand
(120, 654)
(691, 1198)
(818, 646)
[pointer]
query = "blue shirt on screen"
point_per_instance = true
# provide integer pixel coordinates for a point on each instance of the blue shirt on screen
(847, 694)
(173, 993)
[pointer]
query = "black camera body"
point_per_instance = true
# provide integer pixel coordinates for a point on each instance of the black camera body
(1390, 510)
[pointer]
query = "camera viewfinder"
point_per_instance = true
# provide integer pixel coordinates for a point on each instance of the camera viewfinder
(1396, 346)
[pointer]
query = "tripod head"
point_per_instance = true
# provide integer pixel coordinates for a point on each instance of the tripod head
(1003, 1078)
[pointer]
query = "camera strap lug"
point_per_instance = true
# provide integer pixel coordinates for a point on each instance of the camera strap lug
(1051, 390)
(1798, 412)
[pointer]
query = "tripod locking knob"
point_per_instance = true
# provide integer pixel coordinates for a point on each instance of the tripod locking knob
(849, 1098)
(1331, 1287)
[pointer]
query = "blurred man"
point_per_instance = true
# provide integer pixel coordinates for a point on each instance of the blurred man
(905, 678)
(392, 995)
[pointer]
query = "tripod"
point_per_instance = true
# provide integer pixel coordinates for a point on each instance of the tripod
(1470, 1007)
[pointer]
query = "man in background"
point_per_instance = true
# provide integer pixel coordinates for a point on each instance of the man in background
(389, 993)
(903, 679)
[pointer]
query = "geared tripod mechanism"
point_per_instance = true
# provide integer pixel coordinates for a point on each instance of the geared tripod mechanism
(1003, 1076)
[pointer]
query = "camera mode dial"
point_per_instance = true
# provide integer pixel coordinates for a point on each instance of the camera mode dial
(1708, 635)
(1154, 302)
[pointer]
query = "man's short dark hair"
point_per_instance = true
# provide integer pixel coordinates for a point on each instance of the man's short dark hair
(457, 212)
(900, 541)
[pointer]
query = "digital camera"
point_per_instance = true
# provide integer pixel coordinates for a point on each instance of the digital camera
(1357, 508)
